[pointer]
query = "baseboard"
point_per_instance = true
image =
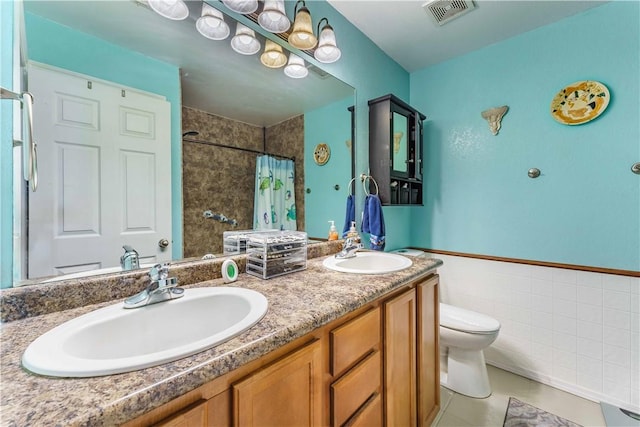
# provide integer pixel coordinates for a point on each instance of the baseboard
(564, 386)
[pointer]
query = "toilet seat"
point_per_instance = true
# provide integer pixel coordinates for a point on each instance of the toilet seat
(460, 319)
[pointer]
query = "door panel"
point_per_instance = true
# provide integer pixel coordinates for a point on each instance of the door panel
(105, 177)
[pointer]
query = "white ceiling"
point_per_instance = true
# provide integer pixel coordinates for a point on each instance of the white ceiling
(405, 32)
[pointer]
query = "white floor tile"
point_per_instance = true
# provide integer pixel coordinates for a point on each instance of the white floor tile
(462, 411)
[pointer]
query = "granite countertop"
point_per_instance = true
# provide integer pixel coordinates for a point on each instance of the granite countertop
(298, 304)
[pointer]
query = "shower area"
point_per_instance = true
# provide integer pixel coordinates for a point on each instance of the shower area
(223, 180)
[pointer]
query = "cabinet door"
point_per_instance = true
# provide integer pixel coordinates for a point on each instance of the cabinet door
(287, 392)
(193, 416)
(428, 351)
(401, 142)
(418, 153)
(400, 359)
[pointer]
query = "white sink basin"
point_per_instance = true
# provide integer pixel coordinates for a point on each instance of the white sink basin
(368, 263)
(114, 339)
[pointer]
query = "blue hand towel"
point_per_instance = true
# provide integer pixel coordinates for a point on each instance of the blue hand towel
(373, 222)
(350, 216)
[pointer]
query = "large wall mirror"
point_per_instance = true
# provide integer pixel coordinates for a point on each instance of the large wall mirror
(223, 109)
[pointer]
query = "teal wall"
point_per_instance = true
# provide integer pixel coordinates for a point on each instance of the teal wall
(6, 144)
(585, 208)
(60, 46)
(372, 74)
(331, 125)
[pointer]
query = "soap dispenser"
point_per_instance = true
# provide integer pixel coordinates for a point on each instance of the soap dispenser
(353, 233)
(333, 233)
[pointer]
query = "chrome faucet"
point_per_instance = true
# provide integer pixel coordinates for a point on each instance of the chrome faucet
(349, 248)
(130, 260)
(161, 288)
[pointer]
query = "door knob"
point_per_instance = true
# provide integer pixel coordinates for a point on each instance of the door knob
(163, 243)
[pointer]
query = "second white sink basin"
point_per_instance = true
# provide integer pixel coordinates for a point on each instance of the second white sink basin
(114, 339)
(368, 263)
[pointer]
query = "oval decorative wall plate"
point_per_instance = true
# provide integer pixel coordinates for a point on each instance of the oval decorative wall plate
(580, 102)
(321, 154)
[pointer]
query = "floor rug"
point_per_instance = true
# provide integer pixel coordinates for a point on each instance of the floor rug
(521, 414)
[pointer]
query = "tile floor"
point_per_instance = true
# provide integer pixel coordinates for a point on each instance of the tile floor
(462, 411)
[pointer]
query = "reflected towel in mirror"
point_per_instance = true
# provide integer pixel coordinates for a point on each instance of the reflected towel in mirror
(350, 216)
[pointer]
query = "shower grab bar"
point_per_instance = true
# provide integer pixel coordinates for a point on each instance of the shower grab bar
(29, 148)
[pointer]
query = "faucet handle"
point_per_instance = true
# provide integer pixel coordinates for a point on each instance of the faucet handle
(164, 271)
(154, 272)
(130, 259)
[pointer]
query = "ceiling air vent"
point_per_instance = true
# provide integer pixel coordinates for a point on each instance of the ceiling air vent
(444, 11)
(318, 71)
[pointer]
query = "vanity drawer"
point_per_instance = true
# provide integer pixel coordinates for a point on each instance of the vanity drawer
(370, 415)
(353, 340)
(355, 388)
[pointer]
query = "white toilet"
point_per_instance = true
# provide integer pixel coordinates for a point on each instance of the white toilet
(464, 334)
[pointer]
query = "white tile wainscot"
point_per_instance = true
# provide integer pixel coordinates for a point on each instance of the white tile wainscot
(574, 330)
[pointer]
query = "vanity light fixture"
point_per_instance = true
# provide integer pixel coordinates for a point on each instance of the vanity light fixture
(176, 10)
(245, 42)
(242, 6)
(211, 23)
(273, 17)
(295, 67)
(301, 36)
(327, 50)
(273, 57)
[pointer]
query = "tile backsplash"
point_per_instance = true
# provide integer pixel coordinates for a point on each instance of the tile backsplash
(575, 330)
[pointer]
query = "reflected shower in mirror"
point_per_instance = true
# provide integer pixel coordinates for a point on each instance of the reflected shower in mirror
(229, 98)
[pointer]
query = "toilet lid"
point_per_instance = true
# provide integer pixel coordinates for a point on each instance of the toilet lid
(460, 319)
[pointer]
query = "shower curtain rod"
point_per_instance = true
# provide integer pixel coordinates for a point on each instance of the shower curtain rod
(248, 150)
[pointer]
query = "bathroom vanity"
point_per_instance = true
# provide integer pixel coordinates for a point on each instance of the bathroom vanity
(333, 349)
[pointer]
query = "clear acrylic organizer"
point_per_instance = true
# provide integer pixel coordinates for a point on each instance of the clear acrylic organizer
(235, 242)
(274, 253)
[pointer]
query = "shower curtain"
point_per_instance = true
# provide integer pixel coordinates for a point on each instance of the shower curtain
(274, 200)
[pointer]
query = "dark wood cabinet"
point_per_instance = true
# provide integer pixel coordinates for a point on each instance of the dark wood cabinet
(395, 150)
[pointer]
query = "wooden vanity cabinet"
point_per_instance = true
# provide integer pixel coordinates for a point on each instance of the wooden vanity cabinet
(376, 366)
(192, 415)
(428, 360)
(287, 392)
(356, 368)
(400, 359)
(412, 360)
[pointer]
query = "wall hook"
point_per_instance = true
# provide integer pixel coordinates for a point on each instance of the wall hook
(533, 173)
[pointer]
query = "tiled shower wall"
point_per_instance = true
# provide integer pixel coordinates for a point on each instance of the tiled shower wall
(222, 180)
(575, 330)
